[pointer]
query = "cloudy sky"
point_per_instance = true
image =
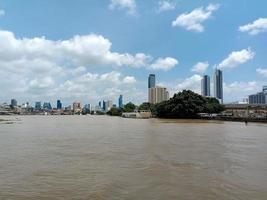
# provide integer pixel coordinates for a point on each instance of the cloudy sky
(80, 50)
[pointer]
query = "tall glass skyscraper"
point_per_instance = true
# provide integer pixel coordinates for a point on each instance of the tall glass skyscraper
(121, 101)
(59, 105)
(205, 86)
(151, 81)
(218, 85)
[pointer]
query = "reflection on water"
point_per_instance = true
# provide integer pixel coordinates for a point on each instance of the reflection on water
(100, 157)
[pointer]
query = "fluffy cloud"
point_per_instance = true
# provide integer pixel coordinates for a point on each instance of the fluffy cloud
(42, 69)
(256, 27)
(2, 13)
(193, 20)
(237, 91)
(164, 64)
(88, 50)
(262, 71)
(190, 83)
(166, 6)
(129, 80)
(129, 5)
(200, 67)
(236, 58)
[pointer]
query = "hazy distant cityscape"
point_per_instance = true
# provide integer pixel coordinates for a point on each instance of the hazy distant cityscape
(156, 94)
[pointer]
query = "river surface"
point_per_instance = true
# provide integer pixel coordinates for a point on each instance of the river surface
(101, 157)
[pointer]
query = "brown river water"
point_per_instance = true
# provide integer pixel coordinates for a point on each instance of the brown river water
(101, 157)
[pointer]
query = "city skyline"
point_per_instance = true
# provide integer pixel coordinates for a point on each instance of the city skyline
(68, 56)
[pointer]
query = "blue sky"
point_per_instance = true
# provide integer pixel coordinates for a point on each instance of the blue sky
(92, 50)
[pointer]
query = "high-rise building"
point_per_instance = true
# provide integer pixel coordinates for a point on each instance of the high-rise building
(38, 105)
(13, 103)
(218, 85)
(47, 106)
(120, 101)
(59, 105)
(99, 104)
(77, 106)
(151, 81)
(259, 98)
(157, 94)
(108, 105)
(205, 86)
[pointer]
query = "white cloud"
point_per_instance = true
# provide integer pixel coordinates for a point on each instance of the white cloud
(41, 69)
(193, 20)
(164, 64)
(256, 27)
(262, 71)
(237, 91)
(129, 5)
(166, 5)
(129, 80)
(236, 58)
(87, 50)
(200, 67)
(190, 83)
(2, 13)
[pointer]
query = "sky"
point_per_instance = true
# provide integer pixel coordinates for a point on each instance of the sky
(92, 50)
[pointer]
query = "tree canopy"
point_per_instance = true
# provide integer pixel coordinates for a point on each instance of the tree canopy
(187, 104)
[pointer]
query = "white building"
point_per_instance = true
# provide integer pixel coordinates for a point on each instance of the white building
(157, 94)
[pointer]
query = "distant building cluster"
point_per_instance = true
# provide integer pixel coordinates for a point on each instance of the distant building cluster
(156, 94)
(46, 107)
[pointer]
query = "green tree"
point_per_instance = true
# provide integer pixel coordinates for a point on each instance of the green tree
(147, 106)
(115, 112)
(129, 107)
(187, 104)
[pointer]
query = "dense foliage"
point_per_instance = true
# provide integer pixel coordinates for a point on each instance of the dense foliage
(129, 107)
(115, 111)
(187, 104)
(148, 106)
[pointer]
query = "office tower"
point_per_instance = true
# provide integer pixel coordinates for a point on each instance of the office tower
(38, 105)
(77, 106)
(59, 105)
(47, 106)
(87, 108)
(218, 85)
(120, 101)
(157, 94)
(99, 104)
(205, 86)
(104, 106)
(259, 98)
(13, 103)
(151, 81)
(108, 106)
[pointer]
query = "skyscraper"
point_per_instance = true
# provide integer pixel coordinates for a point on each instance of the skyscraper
(59, 105)
(157, 94)
(205, 86)
(120, 101)
(218, 85)
(38, 105)
(13, 103)
(151, 80)
(47, 106)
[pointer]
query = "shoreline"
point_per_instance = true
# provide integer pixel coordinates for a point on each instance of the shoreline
(229, 119)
